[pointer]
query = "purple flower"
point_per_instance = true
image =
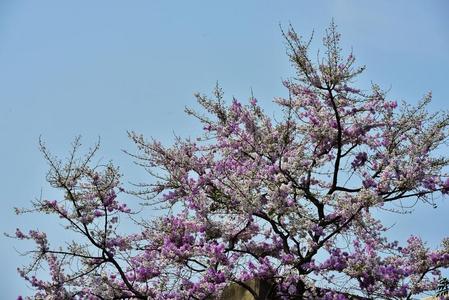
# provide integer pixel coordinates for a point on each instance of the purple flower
(359, 160)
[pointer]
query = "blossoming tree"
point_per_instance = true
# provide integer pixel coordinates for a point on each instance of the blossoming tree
(286, 201)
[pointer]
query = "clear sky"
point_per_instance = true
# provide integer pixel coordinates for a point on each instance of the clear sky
(100, 68)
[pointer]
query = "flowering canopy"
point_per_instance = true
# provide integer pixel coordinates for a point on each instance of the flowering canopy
(287, 201)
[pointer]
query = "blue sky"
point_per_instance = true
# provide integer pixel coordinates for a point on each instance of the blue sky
(100, 68)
